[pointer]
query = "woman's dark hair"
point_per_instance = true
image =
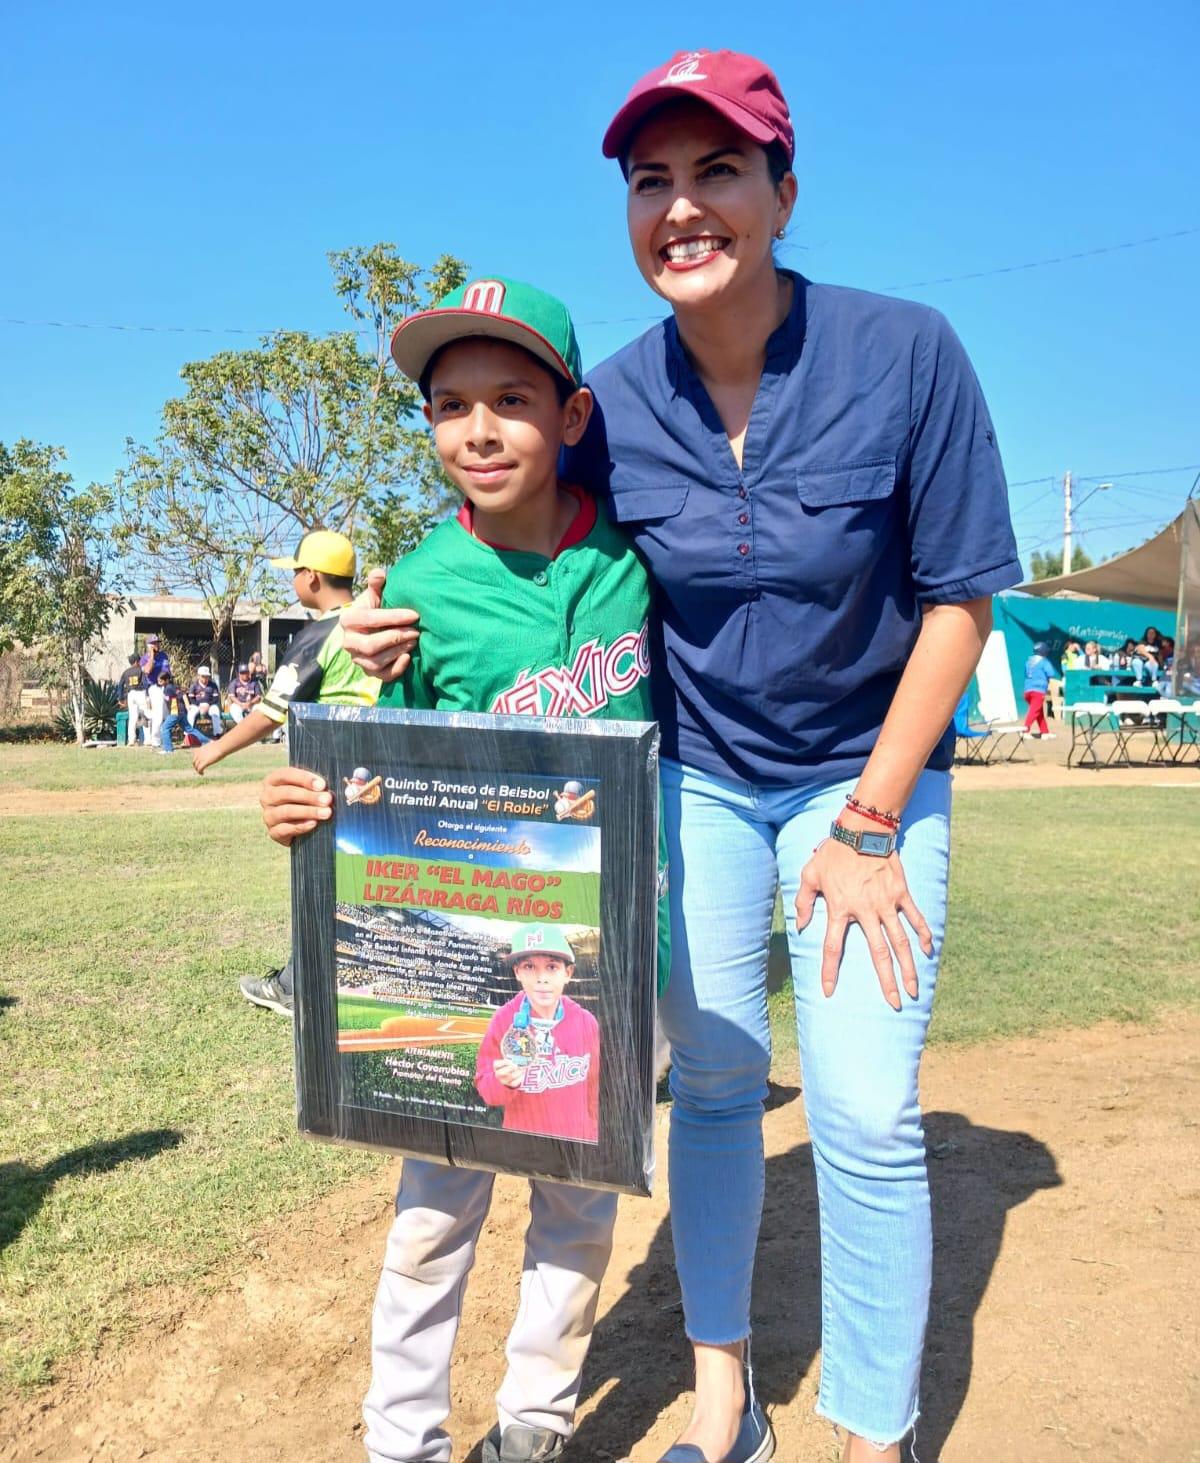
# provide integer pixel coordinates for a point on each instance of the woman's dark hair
(563, 388)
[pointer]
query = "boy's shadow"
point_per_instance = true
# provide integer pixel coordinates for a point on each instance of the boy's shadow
(639, 1358)
(24, 1186)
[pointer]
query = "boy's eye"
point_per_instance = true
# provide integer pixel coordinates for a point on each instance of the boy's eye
(449, 405)
(511, 399)
(648, 185)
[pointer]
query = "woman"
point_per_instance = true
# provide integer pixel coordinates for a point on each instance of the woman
(812, 477)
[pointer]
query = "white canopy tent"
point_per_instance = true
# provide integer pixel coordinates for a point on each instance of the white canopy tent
(1163, 573)
(1147, 575)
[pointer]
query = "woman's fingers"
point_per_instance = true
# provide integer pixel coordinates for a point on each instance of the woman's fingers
(379, 641)
(907, 907)
(903, 953)
(293, 801)
(806, 896)
(831, 950)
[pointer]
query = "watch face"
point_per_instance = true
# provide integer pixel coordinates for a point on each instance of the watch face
(876, 843)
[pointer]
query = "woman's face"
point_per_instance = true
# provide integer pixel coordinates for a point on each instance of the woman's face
(702, 208)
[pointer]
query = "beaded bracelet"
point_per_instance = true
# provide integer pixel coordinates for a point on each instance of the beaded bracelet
(876, 815)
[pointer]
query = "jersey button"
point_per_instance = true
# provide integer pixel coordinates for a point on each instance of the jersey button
(743, 518)
(743, 549)
(741, 492)
(541, 577)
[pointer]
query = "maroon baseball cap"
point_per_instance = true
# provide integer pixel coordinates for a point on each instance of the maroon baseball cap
(743, 90)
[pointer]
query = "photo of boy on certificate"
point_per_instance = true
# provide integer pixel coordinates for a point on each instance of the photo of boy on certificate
(540, 1056)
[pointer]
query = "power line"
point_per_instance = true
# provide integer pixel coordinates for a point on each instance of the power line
(619, 320)
(920, 284)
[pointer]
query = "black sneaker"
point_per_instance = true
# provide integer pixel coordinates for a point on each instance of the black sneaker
(523, 1445)
(267, 992)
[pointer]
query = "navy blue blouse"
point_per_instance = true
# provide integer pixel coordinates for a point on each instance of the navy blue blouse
(790, 590)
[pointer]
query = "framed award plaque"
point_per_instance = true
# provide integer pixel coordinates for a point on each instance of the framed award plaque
(475, 938)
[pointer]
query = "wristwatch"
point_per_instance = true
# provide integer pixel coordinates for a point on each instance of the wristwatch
(863, 840)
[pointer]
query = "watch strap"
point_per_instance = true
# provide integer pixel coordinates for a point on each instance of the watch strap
(864, 840)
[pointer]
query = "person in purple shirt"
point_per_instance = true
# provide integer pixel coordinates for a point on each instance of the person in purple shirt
(204, 695)
(242, 694)
(812, 477)
(174, 713)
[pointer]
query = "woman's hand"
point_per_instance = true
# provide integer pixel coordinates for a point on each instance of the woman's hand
(872, 893)
(293, 802)
(379, 641)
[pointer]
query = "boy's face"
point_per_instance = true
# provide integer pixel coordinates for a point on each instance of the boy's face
(543, 979)
(498, 423)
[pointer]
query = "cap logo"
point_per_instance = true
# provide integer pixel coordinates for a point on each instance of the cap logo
(534, 938)
(684, 70)
(485, 295)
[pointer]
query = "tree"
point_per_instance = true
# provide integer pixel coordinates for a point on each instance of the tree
(56, 554)
(1049, 566)
(302, 432)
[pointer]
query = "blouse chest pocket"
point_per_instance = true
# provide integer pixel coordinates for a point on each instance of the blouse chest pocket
(847, 485)
(649, 504)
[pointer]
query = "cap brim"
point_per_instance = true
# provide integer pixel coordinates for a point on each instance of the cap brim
(638, 108)
(418, 339)
(288, 563)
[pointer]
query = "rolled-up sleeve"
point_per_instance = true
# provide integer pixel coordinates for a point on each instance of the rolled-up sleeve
(960, 530)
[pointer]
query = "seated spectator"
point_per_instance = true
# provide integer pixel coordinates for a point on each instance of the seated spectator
(1151, 637)
(1072, 655)
(1094, 658)
(174, 713)
(243, 695)
(258, 669)
(204, 697)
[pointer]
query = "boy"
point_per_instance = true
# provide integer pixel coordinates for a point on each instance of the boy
(535, 604)
(315, 667)
(540, 1056)
(174, 711)
(204, 698)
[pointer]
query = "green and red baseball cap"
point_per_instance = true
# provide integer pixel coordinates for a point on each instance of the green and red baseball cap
(540, 940)
(501, 309)
(744, 90)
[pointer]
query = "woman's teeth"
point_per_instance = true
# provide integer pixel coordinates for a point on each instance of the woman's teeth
(693, 248)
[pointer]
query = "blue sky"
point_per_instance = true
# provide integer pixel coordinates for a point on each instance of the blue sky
(190, 166)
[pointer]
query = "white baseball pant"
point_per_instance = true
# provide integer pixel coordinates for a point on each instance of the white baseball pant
(430, 1252)
(139, 711)
(214, 714)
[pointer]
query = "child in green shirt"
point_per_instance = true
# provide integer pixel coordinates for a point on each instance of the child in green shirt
(531, 603)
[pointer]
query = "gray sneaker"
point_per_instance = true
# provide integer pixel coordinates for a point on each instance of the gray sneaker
(523, 1445)
(267, 992)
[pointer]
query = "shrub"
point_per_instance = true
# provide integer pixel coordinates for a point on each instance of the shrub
(99, 713)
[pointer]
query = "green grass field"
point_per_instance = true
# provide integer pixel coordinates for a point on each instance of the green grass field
(62, 769)
(147, 1110)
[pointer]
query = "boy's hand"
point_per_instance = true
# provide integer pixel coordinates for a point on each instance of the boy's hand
(508, 1074)
(379, 641)
(204, 756)
(293, 802)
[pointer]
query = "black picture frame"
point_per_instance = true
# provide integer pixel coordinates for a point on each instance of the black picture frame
(618, 761)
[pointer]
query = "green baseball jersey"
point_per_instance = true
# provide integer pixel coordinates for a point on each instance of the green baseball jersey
(512, 632)
(316, 667)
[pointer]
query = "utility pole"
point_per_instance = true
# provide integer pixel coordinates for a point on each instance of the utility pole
(1066, 560)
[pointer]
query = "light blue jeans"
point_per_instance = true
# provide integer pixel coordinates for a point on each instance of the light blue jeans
(730, 843)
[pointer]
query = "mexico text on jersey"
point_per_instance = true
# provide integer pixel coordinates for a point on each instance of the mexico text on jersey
(596, 673)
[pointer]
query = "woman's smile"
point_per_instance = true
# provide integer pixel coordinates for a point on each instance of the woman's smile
(693, 252)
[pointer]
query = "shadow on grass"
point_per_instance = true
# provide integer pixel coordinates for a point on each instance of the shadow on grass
(24, 1187)
(6, 1003)
(976, 1176)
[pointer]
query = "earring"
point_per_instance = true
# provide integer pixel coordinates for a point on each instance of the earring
(779, 233)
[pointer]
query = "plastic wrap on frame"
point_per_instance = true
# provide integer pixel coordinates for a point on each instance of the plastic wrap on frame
(454, 836)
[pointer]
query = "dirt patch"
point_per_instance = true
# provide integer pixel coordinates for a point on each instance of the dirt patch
(1066, 1204)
